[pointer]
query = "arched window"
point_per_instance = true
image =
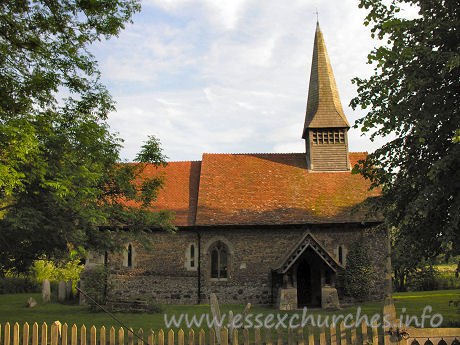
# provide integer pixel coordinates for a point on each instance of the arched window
(341, 254)
(130, 255)
(192, 255)
(219, 261)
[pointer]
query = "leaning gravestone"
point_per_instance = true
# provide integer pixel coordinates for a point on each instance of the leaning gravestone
(68, 290)
(46, 293)
(231, 326)
(61, 291)
(216, 316)
(31, 302)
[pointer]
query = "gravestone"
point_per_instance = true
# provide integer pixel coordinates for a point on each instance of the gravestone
(46, 293)
(231, 326)
(31, 302)
(216, 315)
(68, 290)
(245, 312)
(61, 291)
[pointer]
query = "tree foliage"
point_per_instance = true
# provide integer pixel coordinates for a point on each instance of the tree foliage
(61, 181)
(414, 95)
(358, 273)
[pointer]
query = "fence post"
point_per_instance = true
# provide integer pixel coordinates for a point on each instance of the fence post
(34, 334)
(201, 339)
(245, 336)
(388, 308)
(92, 335)
(353, 335)
(121, 336)
(375, 335)
(311, 336)
(279, 336)
(300, 339)
(25, 334)
(102, 336)
(343, 334)
(333, 334)
(322, 336)
(112, 336)
(54, 334)
(64, 334)
(290, 336)
(16, 334)
(171, 337)
(224, 336)
(257, 339)
(83, 335)
(6, 337)
(151, 337)
(130, 337)
(364, 339)
(161, 337)
(212, 336)
(191, 337)
(140, 333)
(235, 337)
(180, 337)
(44, 334)
(73, 336)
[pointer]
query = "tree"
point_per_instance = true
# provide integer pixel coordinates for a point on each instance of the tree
(61, 182)
(414, 94)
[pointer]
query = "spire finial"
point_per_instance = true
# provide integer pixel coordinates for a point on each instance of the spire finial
(317, 15)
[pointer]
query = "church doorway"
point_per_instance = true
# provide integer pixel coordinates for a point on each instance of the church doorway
(304, 295)
(309, 280)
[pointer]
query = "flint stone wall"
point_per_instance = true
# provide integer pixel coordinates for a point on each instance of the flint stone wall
(164, 275)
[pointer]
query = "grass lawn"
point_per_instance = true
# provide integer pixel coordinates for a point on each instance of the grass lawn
(12, 309)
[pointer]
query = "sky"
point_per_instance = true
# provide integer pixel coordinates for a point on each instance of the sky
(229, 76)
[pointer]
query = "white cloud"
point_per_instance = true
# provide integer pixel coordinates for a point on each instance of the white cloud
(228, 75)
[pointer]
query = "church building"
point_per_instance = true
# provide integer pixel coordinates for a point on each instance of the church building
(264, 228)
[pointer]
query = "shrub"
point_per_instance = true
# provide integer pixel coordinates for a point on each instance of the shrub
(358, 272)
(424, 279)
(153, 307)
(65, 270)
(98, 285)
(18, 285)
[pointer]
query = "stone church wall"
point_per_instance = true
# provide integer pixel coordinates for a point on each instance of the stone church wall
(163, 273)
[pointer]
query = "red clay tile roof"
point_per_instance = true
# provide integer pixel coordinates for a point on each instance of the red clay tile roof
(260, 189)
(180, 192)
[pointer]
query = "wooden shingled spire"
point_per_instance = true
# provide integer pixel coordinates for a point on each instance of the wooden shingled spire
(325, 129)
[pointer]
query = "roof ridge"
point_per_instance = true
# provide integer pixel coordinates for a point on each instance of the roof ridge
(254, 153)
(182, 161)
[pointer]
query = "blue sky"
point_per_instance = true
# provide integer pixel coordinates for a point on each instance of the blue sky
(224, 76)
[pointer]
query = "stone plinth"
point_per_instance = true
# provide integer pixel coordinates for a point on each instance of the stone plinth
(288, 299)
(329, 298)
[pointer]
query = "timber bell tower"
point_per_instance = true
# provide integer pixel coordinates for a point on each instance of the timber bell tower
(326, 127)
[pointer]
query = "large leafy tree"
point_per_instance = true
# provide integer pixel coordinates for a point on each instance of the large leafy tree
(414, 96)
(61, 183)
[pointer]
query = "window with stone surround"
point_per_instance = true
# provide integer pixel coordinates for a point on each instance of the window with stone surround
(219, 261)
(129, 256)
(191, 257)
(340, 253)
